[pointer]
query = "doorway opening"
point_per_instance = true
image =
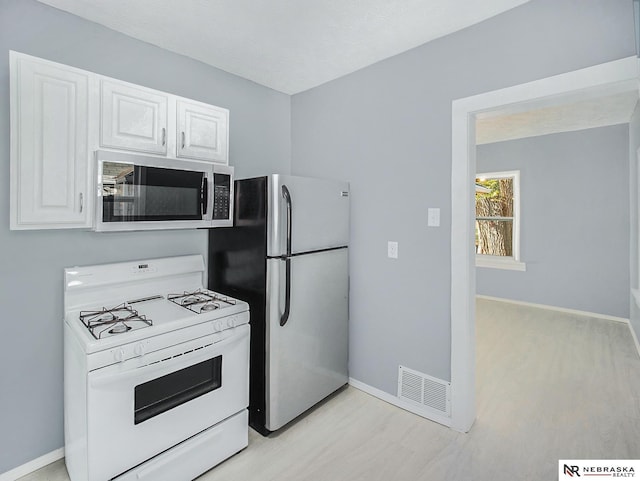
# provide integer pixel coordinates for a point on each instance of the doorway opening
(601, 80)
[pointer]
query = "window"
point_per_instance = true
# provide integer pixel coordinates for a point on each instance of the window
(174, 389)
(497, 220)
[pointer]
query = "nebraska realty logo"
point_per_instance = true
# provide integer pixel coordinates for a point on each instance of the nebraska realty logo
(586, 468)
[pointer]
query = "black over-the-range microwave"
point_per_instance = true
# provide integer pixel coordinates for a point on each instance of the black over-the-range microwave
(136, 192)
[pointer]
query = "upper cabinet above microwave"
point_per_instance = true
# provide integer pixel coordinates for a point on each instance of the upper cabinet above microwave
(139, 119)
(61, 115)
(133, 118)
(203, 131)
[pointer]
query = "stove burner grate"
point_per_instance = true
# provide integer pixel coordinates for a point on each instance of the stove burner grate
(113, 321)
(201, 301)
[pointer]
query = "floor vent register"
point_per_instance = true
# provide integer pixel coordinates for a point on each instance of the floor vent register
(423, 391)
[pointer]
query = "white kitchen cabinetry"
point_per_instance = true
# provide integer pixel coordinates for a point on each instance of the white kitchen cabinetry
(203, 132)
(139, 119)
(49, 145)
(61, 115)
(133, 118)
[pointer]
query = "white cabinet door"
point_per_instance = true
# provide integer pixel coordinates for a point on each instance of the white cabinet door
(133, 118)
(49, 153)
(203, 132)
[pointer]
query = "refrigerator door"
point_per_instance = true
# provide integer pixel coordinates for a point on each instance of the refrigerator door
(319, 214)
(307, 357)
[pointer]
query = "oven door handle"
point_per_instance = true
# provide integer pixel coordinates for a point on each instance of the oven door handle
(143, 373)
(131, 368)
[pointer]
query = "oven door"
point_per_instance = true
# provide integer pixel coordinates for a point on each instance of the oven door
(137, 192)
(141, 407)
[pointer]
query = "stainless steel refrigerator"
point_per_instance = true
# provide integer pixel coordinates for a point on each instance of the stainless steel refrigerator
(287, 256)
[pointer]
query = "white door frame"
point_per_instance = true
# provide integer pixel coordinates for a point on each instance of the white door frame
(608, 78)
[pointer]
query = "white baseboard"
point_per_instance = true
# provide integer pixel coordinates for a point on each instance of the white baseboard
(391, 399)
(554, 308)
(32, 465)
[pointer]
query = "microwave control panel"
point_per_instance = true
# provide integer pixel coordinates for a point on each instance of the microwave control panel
(221, 196)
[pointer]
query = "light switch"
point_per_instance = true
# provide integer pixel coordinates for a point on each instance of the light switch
(433, 217)
(392, 250)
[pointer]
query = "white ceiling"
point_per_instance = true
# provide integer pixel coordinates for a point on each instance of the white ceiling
(295, 45)
(288, 45)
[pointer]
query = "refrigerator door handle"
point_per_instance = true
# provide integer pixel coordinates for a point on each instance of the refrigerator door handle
(287, 293)
(287, 199)
(287, 296)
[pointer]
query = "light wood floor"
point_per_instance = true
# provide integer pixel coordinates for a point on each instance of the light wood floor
(550, 386)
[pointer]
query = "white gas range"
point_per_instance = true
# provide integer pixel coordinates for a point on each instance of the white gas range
(156, 371)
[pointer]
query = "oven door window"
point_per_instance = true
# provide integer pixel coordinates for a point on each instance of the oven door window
(167, 392)
(133, 193)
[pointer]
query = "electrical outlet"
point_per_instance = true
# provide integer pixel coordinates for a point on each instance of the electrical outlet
(392, 250)
(433, 217)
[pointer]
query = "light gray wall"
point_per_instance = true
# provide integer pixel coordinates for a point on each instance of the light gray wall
(634, 225)
(387, 130)
(574, 202)
(31, 263)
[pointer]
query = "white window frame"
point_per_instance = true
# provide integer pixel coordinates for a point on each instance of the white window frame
(514, 262)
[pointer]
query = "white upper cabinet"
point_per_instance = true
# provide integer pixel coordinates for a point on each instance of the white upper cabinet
(145, 120)
(49, 145)
(133, 118)
(61, 115)
(203, 132)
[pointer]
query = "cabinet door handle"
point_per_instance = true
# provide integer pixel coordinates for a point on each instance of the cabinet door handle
(81, 202)
(183, 140)
(164, 136)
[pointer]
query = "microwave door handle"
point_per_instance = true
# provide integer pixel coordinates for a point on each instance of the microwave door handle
(204, 195)
(287, 258)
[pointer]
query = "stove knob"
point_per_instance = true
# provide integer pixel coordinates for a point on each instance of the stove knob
(217, 326)
(119, 355)
(231, 322)
(139, 349)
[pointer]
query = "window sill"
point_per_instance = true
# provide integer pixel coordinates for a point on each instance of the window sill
(495, 262)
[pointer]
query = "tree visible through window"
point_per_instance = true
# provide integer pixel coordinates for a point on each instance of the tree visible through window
(496, 207)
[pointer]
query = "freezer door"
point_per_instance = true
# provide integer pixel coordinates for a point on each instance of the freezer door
(319, 214)
(307, 357)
